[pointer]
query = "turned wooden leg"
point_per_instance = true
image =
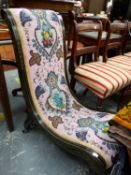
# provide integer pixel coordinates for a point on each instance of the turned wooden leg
(4, 100)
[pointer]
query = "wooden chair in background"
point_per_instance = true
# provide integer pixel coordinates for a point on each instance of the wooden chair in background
(7, 51)
(83, 27)
(127, 46)
(120, 60)
(92, 36)
(4, 39)
(68, 19)
(101, 78)
(5, 100)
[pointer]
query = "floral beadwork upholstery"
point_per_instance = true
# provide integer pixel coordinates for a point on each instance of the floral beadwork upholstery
(41, 39)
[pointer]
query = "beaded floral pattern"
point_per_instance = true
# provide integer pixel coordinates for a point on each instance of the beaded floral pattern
(41, 32)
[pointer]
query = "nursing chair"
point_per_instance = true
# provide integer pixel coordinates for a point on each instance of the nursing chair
(40, 52)
(101, 78)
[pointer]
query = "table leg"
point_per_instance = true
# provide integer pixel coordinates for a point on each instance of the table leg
(5, 100)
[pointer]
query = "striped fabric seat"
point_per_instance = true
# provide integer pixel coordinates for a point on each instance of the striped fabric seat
(128, 54)
(102, 79)
(121, 61)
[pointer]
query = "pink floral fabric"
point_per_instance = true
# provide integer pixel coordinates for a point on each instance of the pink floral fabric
(41, 34)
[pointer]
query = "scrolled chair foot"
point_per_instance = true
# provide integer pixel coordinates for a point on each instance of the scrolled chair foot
(15, 91)
(29, 124)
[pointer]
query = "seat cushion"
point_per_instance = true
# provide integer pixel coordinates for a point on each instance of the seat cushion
(94, 35)
(128, 54)
(121, 61)
(102, 79)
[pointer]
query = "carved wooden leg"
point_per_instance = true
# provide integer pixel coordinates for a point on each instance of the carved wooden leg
(5, 100)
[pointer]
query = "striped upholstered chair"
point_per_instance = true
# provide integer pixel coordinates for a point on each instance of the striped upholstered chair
(101, 78)
(127, 46)
(127, 63)
(39, 46)
(121, 60)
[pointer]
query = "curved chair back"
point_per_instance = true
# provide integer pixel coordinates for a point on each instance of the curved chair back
(116, 37)
(127, 45)
(80, 30)
(39, 45)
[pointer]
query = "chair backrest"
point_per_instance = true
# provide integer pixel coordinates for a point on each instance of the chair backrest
(116, 37)
(127, 45)
(104, 21)
(79, 31)
(129, 28)
(68, 18)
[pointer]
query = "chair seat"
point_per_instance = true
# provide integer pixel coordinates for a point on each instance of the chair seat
(94, 35)
(128, 54)
(102, 79)
(121, 61)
